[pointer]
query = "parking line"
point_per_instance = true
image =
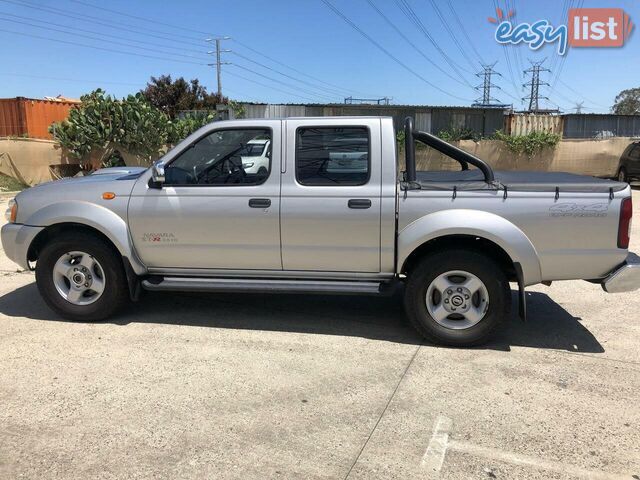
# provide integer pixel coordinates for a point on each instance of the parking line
(530, 461)
(437, 449)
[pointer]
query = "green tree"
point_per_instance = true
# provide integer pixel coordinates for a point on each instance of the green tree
(173, 96)
(627, 102)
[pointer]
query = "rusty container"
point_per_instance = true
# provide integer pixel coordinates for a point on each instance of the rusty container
(29, 117)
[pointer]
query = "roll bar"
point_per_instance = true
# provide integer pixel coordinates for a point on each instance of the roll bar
(462, 157)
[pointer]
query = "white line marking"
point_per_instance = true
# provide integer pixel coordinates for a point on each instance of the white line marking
(529, 461)
(437, 449)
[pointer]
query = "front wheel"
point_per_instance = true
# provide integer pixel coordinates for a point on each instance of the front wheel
(457, 297)
(622, 175)
(81, 277)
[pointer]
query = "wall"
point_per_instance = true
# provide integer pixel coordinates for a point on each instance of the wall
(601, 126)
(587, 157)
(34, 161)
(30, 117)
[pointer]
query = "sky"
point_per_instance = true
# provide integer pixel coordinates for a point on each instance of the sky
(302, 51)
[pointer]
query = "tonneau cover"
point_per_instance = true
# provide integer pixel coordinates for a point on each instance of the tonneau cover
(517, 181)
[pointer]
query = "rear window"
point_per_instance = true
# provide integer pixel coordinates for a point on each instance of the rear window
(330, 156)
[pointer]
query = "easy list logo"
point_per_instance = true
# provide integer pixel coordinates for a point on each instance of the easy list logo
(586, 27)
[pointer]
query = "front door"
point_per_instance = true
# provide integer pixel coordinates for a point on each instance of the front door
(219, 207)
(331, 188)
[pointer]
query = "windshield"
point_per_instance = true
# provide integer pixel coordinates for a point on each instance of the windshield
(252, 150)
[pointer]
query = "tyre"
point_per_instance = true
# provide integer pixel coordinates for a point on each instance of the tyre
(81, 277)
(622, 175)
(457, 297)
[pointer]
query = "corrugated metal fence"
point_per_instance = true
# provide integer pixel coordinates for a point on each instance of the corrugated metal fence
(601, 126)
(26, 117)
(484, 122)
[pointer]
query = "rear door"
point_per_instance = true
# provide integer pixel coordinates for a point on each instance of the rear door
(330, 203)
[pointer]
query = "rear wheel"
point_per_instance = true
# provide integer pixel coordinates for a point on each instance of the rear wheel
(457, 297)
(81, 277)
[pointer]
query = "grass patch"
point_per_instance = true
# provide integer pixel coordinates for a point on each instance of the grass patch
(10, 184)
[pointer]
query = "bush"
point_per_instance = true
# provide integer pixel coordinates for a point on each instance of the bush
(529, 144)
(103, 125)
(457, 134)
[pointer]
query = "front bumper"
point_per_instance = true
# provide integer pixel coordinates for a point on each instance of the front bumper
(16, 240)
(625, 278)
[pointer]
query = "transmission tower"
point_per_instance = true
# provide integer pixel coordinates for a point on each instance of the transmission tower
(535, 83)
(578, 108)
(487, 100)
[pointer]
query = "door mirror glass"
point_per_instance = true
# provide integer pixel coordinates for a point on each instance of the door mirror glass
(157, 173)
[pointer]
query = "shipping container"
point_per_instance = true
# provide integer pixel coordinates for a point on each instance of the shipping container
(29, 117)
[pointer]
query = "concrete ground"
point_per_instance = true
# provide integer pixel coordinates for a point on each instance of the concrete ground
(253, 386)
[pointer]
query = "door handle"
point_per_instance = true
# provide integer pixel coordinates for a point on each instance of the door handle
(360, 203)
(259, 202)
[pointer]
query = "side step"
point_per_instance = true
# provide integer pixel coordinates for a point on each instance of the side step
(199, 284)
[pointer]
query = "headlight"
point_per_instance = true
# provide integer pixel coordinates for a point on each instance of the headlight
(247, 165)
(12, 211)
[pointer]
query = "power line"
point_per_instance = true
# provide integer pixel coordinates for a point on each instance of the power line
(408, 12)
(456, 17)
(63, 79)
(104, 49)
(323, 89)
(451, 34)
(295, 87)
(415, 47)
(77, 29)
(204, 33)
(581, 95)
(386, 52)
(233, 74)
(244, 45)
(505, 52)
(96, 20)
(93, 37)
(136, 17)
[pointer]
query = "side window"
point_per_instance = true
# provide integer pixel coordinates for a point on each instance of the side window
(328, 156)
(224, 157)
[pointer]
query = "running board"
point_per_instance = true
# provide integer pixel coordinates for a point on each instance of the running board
(191, 284)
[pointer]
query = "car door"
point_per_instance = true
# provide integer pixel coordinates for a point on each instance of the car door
(210, 213)
(331, 188)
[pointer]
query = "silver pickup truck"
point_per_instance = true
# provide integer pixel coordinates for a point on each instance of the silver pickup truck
(327, 210)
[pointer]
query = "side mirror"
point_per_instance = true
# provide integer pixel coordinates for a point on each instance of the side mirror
(157, 174)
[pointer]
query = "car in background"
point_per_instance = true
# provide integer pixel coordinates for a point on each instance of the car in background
(629, 165)
(256, 156)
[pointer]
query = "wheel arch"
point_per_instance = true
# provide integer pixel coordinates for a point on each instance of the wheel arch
(480, 231)
(91, 218)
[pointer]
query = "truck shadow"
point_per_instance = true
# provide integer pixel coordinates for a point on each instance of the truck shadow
(378, 318)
